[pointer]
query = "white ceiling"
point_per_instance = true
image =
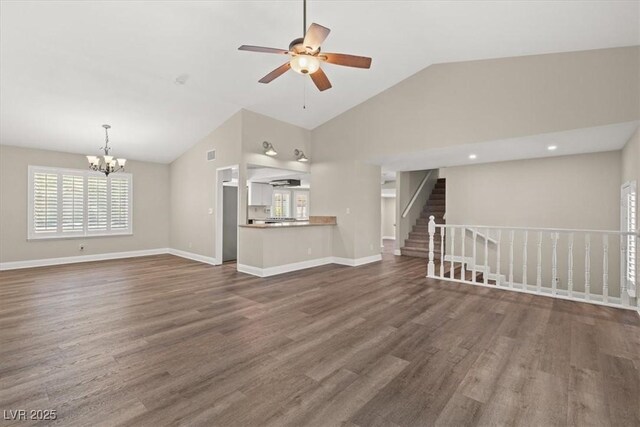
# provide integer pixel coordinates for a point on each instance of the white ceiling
(68, 67)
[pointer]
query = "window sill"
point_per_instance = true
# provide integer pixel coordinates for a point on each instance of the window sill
(83, 236)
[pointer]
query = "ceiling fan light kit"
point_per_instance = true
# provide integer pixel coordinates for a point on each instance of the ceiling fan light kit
(306, 58)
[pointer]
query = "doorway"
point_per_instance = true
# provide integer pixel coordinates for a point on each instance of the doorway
(229, 223)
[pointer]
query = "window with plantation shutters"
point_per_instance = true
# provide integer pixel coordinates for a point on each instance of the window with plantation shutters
(72, 203)
(78, 203)
(97, 203)
(45, 203)
(119, 203)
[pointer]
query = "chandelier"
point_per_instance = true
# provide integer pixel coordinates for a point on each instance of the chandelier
(106, 163)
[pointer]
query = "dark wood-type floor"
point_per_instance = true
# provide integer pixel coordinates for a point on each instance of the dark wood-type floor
(166, 341)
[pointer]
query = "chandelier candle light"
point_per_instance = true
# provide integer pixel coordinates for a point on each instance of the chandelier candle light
(106, 163)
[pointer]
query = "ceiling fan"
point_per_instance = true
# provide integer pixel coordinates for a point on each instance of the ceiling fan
(306, 56)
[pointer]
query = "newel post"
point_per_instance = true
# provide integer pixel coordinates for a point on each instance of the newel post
(431, 268)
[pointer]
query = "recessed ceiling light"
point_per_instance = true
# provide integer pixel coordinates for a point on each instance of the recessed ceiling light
(552, 147)
(473, 156)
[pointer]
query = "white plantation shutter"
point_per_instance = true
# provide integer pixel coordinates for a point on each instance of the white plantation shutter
(97, 204)
(72, 203)
(120, 208)
(45, 203)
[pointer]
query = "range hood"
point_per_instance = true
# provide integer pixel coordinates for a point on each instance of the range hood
(285, 183)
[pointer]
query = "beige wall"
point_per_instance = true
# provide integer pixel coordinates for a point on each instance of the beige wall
(238, 141)
(388, 212)
(463, 103)
(580, 191)
(150, 208)
(630, 156)
(576, 192)
(476, 101)
(193, 188)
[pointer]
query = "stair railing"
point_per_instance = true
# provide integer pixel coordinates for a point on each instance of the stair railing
(570, 264)
(406, 210)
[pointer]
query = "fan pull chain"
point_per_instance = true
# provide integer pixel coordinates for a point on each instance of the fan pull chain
(304, 94)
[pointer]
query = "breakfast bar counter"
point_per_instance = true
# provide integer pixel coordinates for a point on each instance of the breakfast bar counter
(269, 249)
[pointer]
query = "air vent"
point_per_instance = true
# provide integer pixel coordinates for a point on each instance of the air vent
(211, 155)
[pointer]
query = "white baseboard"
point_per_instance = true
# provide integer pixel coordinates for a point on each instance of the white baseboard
(287, 268)
(388, 237)
(355, 262)
(397, 252)
(280, 269)
(194, 257)
(12, 265)
(255, 271)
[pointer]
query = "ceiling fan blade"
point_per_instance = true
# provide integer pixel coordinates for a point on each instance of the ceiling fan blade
(315, 36)
(262, 49)
(275, 73)
(346, 60)
(321, 80)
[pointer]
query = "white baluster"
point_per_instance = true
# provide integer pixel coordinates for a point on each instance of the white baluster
(442, 228)
(499, 256)
(475, 236)
(554, 263)
(485, 275)
(570, 261)
(605, 267)
(539, 268)
(624, 295)
(511, 240)
(463, 270)
(432, 230)
(587, 267)
(524, 259)
(453, 253)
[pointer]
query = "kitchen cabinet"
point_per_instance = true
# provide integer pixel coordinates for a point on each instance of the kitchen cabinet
(260, 194)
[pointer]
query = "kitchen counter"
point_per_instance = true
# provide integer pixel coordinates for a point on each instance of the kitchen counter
(312, 222)
(291, 224)
(286, 246)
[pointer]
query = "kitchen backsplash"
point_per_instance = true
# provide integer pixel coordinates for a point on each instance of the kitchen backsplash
(258, 212)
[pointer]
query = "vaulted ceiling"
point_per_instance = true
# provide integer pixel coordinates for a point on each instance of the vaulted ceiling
(68, 67)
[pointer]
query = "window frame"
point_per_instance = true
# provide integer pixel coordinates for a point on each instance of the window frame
(295, 203)
(273, 203)
(85, 232)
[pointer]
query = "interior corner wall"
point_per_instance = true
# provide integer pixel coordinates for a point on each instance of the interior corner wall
(578, 192)
(630, 156)
(194, 186)
(630, 171)
(347, 188)
(467, 102)
(150, 208)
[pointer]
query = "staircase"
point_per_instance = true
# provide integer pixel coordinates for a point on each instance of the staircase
(417, 245)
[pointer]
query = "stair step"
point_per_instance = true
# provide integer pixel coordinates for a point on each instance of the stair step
(417, 253)
(412, 243)
(419, 235)
(439, 190)
(437, 196)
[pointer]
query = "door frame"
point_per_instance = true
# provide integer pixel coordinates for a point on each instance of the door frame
(219, 211)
